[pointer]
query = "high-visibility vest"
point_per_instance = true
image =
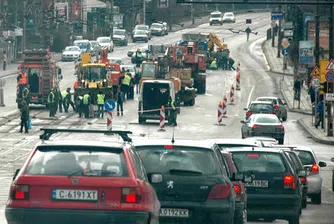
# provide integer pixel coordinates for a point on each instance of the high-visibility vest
(213, 64)
(100, 99)
(139, 55)
(86, 99)
(51, 97)
(25, 93)
(127, 80)
(23, 79)
(172, 104)
(64, 95)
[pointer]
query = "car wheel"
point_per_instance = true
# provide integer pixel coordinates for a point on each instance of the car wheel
(304, 202)
(210, 24)
(294, 220)
(285, 117)
(281, 141)
(316, 199)
(241, 219)
(242, 135)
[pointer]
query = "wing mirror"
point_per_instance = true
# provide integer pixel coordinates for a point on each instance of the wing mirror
(155, 178)
(245, 108)
(322, 164)
(16, 173)
(243, 121)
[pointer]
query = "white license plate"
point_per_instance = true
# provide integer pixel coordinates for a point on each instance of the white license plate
(257, 183)
(174, 212)
(74, 195)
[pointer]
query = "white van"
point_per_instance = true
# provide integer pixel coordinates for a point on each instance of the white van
(216, 18)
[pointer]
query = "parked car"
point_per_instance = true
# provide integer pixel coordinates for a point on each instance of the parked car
(279, 106)
(84, 45)
(260, 107)
(79, 181)
(312, 166)
(275, 191)
(229, 17)
(263, 125)
(190, 180)
(140, 35)
(142, 27)
(120, 37)
(106, 42)
(240, 213)
(71, 53)
(95, 48)
(166, 28)
(157, 29)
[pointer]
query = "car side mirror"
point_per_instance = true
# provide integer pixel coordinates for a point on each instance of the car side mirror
(322, 164)
(301, 173)
(245, 108)
(155, 178)
(243, 121)
(16, 173)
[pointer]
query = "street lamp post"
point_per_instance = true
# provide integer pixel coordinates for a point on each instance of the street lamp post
(144, 11)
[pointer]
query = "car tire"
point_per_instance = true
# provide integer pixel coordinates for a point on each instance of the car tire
(304, 202)
(210, 24)
(240, 219)
(294, 220)
(285, 118)
(316, 199)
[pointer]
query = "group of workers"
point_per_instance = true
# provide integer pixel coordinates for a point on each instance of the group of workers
(59, 99)
(222, 59)
(139, 57)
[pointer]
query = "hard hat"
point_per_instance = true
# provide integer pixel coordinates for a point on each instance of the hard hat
(138, 49)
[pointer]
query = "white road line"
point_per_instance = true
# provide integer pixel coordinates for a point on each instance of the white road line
(250, 96)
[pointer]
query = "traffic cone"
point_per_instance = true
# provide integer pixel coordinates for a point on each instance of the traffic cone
(220, 112)
(162, 119)
(238, 76)
(224, 106)
(232, 94)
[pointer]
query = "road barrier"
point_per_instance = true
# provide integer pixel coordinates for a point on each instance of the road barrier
(109, 120)
(238, 77)
(232, 94)
(220, 112)
(162, 119)
(2, 98)
(224, 106)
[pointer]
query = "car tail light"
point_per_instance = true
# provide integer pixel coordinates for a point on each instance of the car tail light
(276, 107)
(168, 147)
(281, 127)
(315, 169)
(248, 113)
(253, 155)
(255, 126)
(273, 112)
(131, 195)
(289, 182)
(237, 190)
(20, 192)
(220, 191)
(302, 180)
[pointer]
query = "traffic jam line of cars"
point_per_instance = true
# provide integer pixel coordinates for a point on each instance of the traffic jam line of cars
(161, 180)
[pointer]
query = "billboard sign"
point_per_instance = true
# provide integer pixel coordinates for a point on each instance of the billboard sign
(306, 52)
(76, 11)
(163, 3)
(61, 11)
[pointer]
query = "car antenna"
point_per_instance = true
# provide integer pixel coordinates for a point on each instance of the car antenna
(173, 139)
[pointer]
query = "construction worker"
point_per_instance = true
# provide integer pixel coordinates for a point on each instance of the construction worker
(136, 81)
(172, 111)
(79, 105)
(21, 80)
(139, 57)
(67, 101)
(126, 84)
(231, 63)
(24, 116)
(86, 102)
(100, 104)
(148, 55)
(179, 60)
(248, 31)
(119, 98)
(213, 64)
(51, 102)
(26, 94)
(58, 100)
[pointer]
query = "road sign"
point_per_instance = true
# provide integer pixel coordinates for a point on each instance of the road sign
(316, 71)
(330, 76)
(109, 105)
(315, 82)
(285, 43)
(330, 65)
(330, 97)
(277, 15)
(285, 52)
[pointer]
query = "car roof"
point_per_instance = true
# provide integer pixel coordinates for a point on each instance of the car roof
(235, 141)
(178, 142)
(261, 138)
(107, 144)
(81, 41)
(72, 46)
(264, 115)
(267, 97)
(294, 147)
(157, 81)
(215, 12)
(260, 102)
(254, 149)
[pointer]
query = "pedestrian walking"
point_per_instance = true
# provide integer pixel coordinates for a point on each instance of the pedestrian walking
(86, 102)
(26, 94)
(296, 87)
(79, 105)
(24, 117)
(172, 111)
(231, 63)
(4, 59)
(224, 58)
(120, 98)
(248, 31)
(320, 115)
(100, 104)
(51, 103)
(139, 57)
(136, 81)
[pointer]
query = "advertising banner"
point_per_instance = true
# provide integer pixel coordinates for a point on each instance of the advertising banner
(76, 10)
(61, 11)
(306, 52)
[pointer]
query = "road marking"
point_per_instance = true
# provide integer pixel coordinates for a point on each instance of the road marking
(250, 96)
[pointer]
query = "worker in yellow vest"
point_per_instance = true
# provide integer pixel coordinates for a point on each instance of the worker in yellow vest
(86, 102)
(126, 84)
(100, 104)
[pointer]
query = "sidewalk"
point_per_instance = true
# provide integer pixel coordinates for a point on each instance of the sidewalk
(11, 69)
(285, 80)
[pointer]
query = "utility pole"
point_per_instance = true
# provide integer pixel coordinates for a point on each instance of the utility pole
(144, 11)
(70, 22)
(111, 18)
(317, 36)
(192, 11)
(279, 34)
(24, 38)
(133, 23)
(331, 56)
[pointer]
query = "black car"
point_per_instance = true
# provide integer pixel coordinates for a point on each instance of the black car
(260, 107)
(275, 192)
(190, 180)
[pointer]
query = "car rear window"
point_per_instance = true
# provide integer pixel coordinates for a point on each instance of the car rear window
(259, 162)
(267, 119)
(77, 161)
(158, 159)
(305, 157)
(261, 107)
(273, 101)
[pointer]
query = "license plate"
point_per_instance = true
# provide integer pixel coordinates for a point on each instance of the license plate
(34, 97)
(174, 212)
(74, 195)
(257, 183)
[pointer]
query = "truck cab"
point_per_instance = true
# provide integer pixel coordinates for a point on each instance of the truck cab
(153, 95)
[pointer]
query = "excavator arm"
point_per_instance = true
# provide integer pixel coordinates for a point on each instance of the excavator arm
(214, 39)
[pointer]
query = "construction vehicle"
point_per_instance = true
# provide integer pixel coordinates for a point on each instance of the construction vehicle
(42, 76)
(214, 40)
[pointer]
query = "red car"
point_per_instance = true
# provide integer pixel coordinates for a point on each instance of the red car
(240, 214)
(82, 182)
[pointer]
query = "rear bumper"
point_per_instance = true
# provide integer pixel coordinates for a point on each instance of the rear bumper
(64, 216)
(278, 206)
(210, 211)
(314, 183)
(273, 135)
(239, 208)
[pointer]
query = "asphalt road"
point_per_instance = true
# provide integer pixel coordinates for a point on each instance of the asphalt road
(199, 121)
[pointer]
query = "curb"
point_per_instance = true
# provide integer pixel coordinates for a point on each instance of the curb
(306, 129)
(294, 109)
